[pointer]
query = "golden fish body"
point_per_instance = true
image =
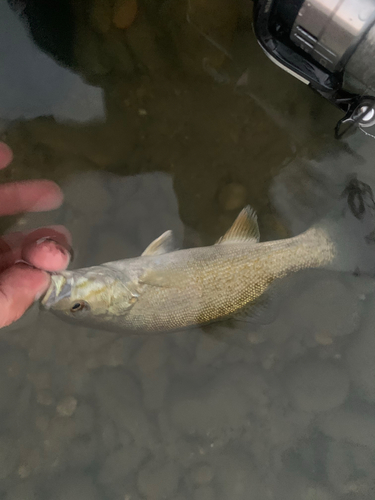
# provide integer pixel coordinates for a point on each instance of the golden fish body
(165, 290)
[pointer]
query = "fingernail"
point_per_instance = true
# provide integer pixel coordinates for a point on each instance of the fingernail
(65, 249)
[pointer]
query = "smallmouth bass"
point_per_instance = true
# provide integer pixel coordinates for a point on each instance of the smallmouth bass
(166, 289)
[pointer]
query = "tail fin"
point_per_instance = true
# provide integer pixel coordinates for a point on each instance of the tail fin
(351, 230)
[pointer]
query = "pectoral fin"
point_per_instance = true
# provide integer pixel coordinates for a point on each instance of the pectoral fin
(162, 278)
(163, 244)
(244, 228)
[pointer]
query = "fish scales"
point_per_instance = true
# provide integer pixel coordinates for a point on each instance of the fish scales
(166, 289)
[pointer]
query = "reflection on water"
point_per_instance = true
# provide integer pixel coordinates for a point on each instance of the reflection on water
(282, 411)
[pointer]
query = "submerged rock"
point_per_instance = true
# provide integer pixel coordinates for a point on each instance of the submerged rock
(158, 480)
(350, 426)
(124, 12)
(232, 196)
(316, 386)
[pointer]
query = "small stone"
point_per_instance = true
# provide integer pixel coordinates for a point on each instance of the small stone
(323, 338)
(124, 12)
(215, 411)
(45, 398)
(157, 480)
(316, 386)
(232, 196)
(142, 112)
(67, 406)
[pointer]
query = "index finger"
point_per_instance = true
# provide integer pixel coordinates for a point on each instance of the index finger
(29, 196)
(6, 155)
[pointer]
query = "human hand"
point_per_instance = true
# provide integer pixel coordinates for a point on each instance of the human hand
(25, 258)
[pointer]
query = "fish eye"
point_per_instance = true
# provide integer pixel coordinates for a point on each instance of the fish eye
(78, 306)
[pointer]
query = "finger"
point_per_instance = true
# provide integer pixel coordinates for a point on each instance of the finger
(10, 249)
(29, 196)
(6, 155)
(20, 286)
(48, 248)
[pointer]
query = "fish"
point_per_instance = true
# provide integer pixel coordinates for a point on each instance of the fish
(168, 289)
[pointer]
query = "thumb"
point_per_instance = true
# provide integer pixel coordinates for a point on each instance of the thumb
(20, 286)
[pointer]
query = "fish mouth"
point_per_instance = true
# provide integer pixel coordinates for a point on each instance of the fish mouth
(60, 288)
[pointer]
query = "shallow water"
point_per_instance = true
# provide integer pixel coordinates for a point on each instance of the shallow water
(175, 137)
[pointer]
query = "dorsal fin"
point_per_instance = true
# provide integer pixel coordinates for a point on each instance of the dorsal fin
(244, 228)
(163, 244)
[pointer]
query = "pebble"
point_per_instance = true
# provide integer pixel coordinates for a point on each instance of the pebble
(348, 425)
(214, 411)
(45, 398)
(75, 487)
(232, 196)
(157, 480)
(327, 308)
(316, 386)
(67, 406)
(361, 357)
(124, 12)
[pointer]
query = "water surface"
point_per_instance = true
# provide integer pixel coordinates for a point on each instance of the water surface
(155, 128)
